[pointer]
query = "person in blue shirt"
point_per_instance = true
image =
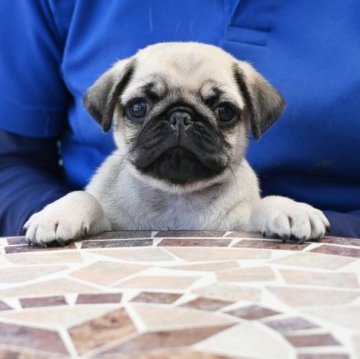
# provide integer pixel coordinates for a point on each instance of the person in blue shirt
(52, 51)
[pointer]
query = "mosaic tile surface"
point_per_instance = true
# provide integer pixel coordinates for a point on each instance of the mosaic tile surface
(180, 295)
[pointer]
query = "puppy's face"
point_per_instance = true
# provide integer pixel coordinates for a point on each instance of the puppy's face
(182, 111)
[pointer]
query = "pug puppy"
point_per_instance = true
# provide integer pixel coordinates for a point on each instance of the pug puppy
(181, 114)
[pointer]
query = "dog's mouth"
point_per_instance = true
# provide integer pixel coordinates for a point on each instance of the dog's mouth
(181, 166)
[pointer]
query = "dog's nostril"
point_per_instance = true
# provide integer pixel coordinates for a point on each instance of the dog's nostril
(178, 118)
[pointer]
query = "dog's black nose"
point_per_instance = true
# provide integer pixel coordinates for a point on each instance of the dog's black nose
(180, 118)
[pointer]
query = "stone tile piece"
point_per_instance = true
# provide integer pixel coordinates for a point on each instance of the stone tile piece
(43, 301)
(239, 234)
(257, 243)
(17, 275)
(252, 312)
(13, 241)
(25, 248)
(156, 297)
(309, 297)
(219, 254)
(166, 339)
(26, 354)
(356, 345)
(337, 250)
(163, 317)
(102, 330)
(44, 257)
(50, 287)
(4, 306)
(207, 304)
(341, 240)
(314, 260)
(251, 274)
(344, 316)
(190, 234)
(290, 324)
(31, 338)
(158, 282)
(114, 243)
(249, 340)
(324, 279)
(106, 273)
(207, 267)
(194, 242)
(312, 340)
(229, 292)
(120, 235)
(167, 354)
(323, 356)
(141, 254)
(99, 298)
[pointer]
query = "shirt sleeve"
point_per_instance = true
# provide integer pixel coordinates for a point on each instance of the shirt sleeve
(33, 97)
(30, 178)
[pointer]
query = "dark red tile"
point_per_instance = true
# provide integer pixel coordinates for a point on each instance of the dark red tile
(166, 339)
(26, 248)
(198, 242)
(207, 304)
(337, 250)
(115, 243)
(156, 297)
(4, 306)
(101, 298)
(312, 340)
(341, 240)
(323, 356)
(31, 338)
(270, 244)
(121, 235)
(42, 301)
(16, 241)
(190, 234)
(252, 312)
(238, 234)
(290, 324)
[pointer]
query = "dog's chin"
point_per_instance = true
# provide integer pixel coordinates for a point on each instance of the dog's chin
(180, 166)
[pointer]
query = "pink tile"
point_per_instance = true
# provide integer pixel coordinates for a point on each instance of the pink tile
(312, 340)
(43, 301)
(252, 312)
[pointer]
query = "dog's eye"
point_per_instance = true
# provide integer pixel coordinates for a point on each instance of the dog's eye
(138, 108)
(226, 112)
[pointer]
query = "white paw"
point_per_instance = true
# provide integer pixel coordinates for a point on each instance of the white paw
(72, 216)
(287, 219)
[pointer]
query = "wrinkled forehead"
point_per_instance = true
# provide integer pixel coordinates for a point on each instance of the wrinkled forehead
(200, 70)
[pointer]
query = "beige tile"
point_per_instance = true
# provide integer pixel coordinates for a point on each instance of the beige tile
(309, 297)
(22, 274)
(326, 279)
(106, 273)
(356, 345)
(207, 267)
(162, 317)
(223, 291)
(57, 257)
(158, 282)
(314, 260)
(219, 254)
(249, 340)
(346, 316)
(49, 287)
(252, 274)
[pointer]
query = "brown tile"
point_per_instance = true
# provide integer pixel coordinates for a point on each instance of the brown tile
(341, 240)
(116, 243)
(312, 340)
(207, 267)
(121, 235)
(199, 242)
(252, 312)
(337, 250)
(26, 248)
(156, 297)
(252, 274)
(207, 304)
(190, 234)
(323, 356)
(43, 301)
(290, 324)
(166, 339)
(101, 298)
(16, 241)
(238, 234)
(97, 332)
(4, 306)
(31, 338)
(258, 243)
(26, 354)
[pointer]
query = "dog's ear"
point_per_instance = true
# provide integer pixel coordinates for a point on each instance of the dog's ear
(264, 102)
(100, 99)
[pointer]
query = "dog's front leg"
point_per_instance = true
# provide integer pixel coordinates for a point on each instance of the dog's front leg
(276, 216)
(75, 215)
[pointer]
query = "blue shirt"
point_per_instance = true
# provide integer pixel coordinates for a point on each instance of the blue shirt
(52, 51)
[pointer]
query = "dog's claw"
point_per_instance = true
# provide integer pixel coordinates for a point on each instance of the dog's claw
(60, 242)
(301, 240)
